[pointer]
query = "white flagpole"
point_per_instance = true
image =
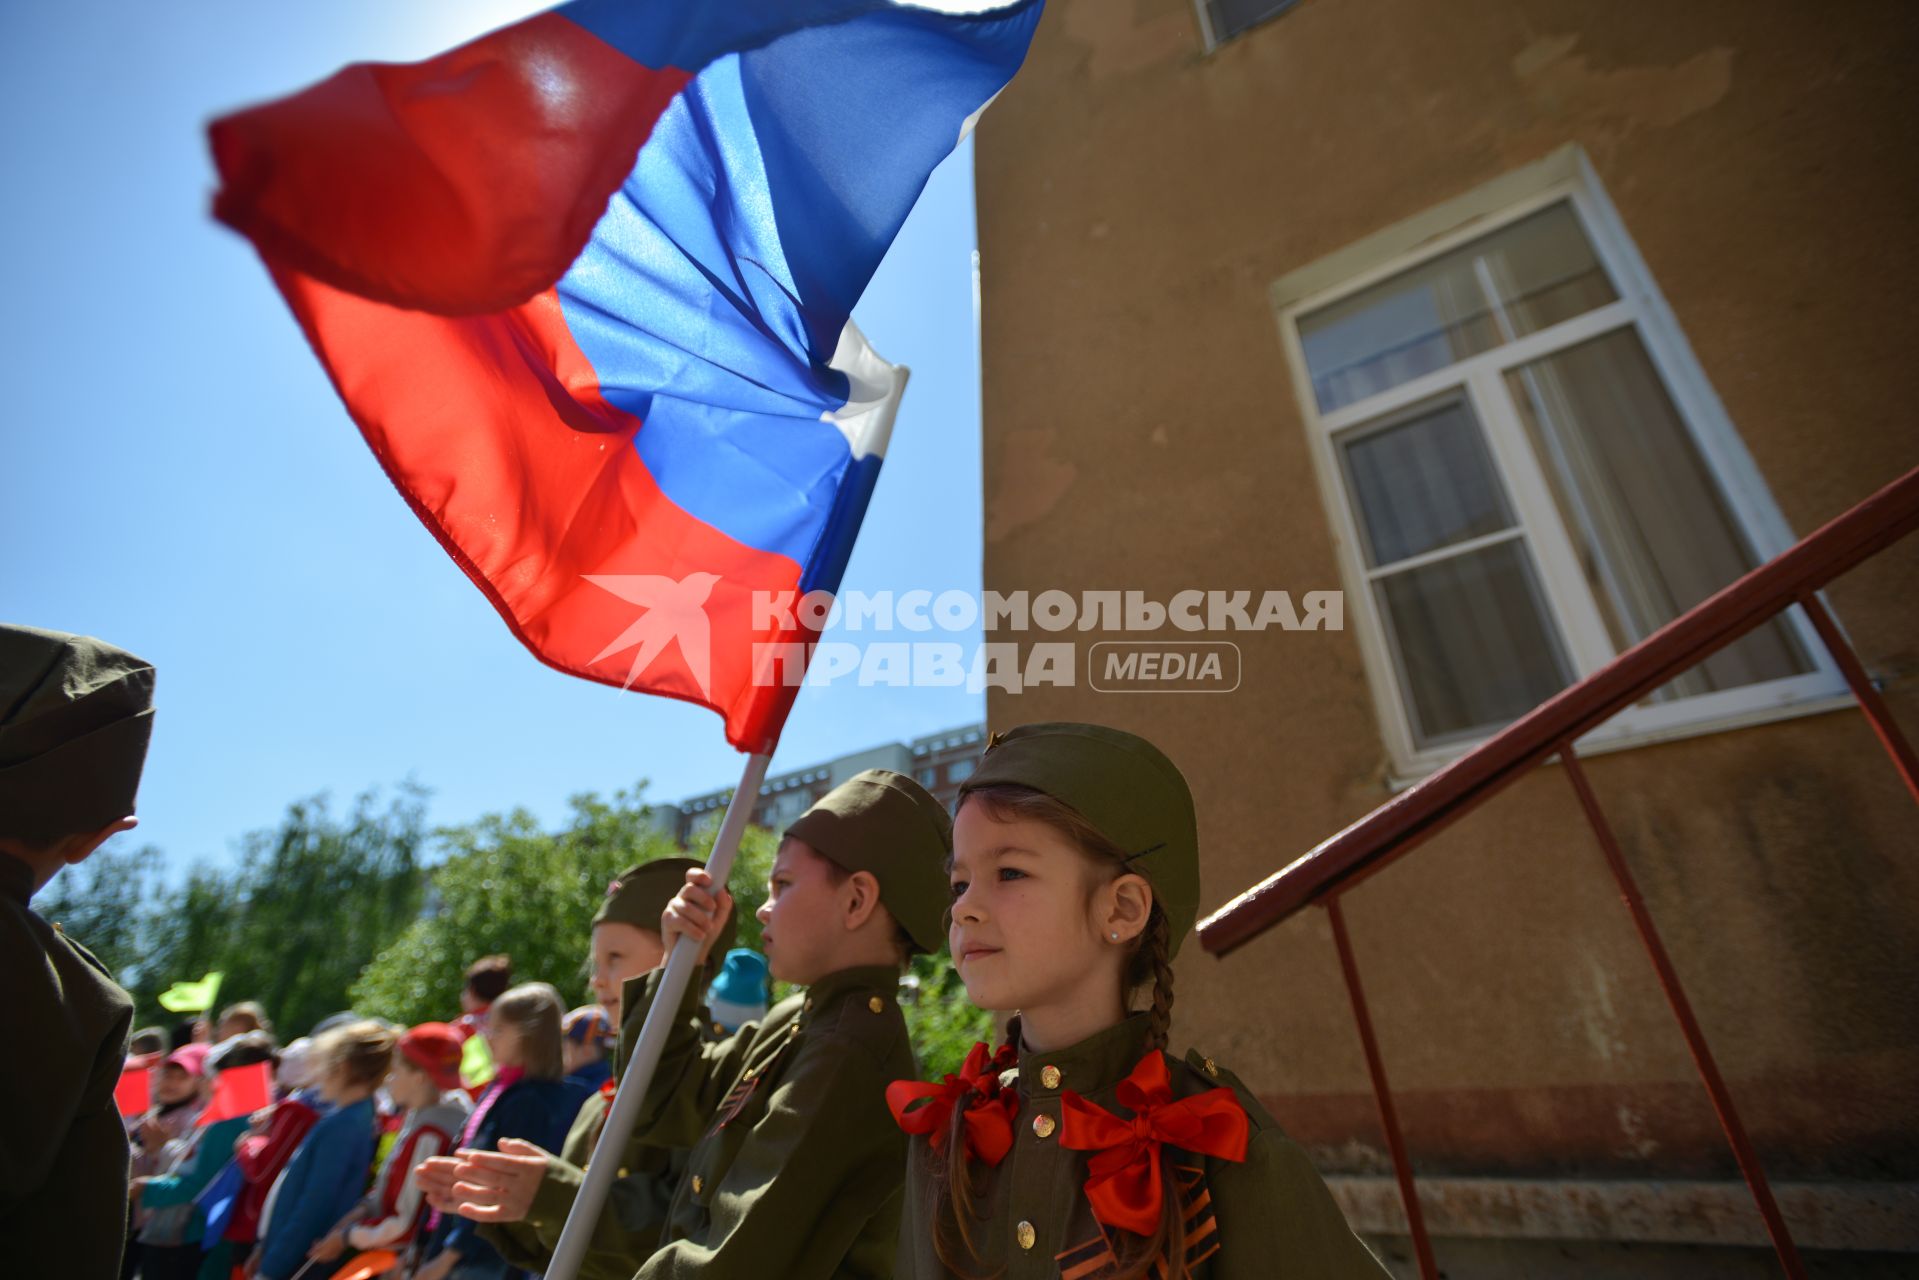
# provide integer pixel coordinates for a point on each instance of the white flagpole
(645, 1056)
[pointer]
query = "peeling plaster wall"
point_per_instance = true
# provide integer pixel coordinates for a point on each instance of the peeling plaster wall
(1137, 199)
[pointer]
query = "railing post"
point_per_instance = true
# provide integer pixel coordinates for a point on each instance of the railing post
(1722, 1103)
(1382, 1094)
(1878, 714)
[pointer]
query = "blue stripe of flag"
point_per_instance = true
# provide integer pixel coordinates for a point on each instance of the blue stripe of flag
(715, 288)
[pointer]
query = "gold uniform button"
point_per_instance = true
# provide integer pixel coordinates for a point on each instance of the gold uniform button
(1212, 1068)
(697, 1184)
(1025, 1234)
(1043, 1125)
(1049, 1076)
(876, 1004)
(625, 1174)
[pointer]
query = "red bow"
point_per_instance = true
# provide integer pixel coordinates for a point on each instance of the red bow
(609, 1086)
(989, 1121)
(1123, 1178)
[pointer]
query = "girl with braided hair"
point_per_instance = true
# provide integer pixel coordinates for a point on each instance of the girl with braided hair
(1082, 1149)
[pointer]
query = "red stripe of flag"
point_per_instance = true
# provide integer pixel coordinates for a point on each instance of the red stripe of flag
(433, 184)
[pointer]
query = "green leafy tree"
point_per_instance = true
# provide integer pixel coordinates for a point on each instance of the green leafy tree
(188, 931)
(309, 903)
(940, 1021)
(104, 903)
(508, 887)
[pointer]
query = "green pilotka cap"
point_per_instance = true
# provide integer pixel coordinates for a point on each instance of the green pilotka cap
(639, 896)
(1122, 784)
(75, 716)
(889, 825)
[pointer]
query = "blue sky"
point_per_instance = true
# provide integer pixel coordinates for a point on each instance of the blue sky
(177, 477)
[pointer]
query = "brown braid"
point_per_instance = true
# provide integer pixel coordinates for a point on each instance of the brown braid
(1151, 960)
(958, 1199)
(1158, 945)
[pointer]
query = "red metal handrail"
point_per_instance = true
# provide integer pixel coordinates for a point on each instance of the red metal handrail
(1397, 827)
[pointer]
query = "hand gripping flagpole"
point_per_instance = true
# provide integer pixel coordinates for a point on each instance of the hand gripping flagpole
(644, 1060)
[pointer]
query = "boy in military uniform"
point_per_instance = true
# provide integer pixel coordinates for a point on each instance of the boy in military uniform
(794, 1170)
(75, 716)
(520, 1194)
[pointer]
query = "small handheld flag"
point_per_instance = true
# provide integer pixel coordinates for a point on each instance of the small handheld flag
(220, 1198)
(192, 997)
(240, 1091)
(131, 1094)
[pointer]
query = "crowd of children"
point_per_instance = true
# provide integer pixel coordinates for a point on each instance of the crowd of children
(268, 1190)
(334, 1166)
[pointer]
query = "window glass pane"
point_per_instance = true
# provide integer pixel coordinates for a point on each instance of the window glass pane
(1472, 642)
(1518, 280)
(1653, 533)
(1230, 17)
(1423, 483)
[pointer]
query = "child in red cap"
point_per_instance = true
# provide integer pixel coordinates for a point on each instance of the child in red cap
(425, 1084)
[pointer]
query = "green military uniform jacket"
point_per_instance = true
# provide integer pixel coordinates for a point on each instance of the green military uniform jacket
(629, 1228)
(1269, 1217)
(793, 1161)
(63, 1146)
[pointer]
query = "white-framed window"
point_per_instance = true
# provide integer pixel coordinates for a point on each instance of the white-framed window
(1221, 20)
(1528, 473)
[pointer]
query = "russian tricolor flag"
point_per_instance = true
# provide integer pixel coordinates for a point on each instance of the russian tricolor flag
(586, 286)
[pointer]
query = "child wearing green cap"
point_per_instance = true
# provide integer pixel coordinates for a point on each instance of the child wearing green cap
(522, 1194)
(793, 1165)
(1082, 1148)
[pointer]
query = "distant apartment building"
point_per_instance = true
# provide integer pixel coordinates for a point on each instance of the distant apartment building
(939, 761)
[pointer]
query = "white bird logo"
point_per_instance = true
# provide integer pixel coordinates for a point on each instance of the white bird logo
(675, 610)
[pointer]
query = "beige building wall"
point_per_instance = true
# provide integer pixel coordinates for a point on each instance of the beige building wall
(1137, 200)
